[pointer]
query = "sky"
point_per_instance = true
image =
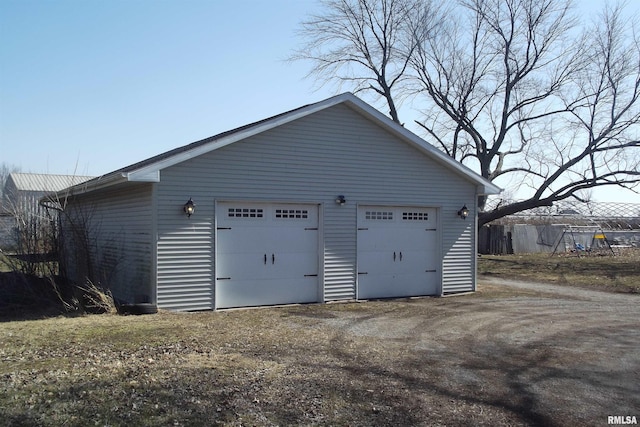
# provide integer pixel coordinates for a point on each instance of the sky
(90, 86)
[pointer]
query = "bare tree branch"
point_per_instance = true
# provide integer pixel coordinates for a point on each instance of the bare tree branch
(361, 41)
(512, 88)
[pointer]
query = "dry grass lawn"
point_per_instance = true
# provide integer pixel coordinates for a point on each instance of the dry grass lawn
(620, 273)
(500, 357)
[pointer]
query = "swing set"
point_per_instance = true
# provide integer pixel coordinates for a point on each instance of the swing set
(599, 243)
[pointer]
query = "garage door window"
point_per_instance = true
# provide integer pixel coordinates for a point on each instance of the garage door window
(415, 216)
(292, 213)
(379, 215)
(245, 213)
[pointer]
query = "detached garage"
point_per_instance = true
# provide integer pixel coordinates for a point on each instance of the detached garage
(331, 201)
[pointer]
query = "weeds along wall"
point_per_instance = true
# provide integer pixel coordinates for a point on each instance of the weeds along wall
(106, 239)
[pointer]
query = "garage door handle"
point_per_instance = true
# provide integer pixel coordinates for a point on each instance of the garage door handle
(265, 259)
(273, 259)
(394, 256)
(400, 255)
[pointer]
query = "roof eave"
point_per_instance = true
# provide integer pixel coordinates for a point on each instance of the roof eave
(489, 189)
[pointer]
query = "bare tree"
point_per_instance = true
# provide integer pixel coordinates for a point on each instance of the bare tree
(5, 171)
(28, 233)
(363, 44)
(87, 257)
(517, 90)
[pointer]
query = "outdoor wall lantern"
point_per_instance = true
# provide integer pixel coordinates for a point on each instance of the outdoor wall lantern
(189, 207)
(464, 212)
(341, 200)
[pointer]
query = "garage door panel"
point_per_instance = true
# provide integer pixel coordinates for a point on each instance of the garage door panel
(268, 260)
(243, 266)
(413, 285)
(379, 285)
(375, 262)
(397, 249)
(417, 259)
(290, 265)
(261, 239)
(397, 285)
(240, 239)
(372, 240)
(256, 292)
(300, 261)
(415, 240)
(421, 242)
(394, 259)
(234, 265)
(295, 240)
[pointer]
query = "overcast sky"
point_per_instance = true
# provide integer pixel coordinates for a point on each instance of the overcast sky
(89, 86)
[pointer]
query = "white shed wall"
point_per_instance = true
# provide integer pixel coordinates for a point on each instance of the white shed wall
(314, 159)
(119, 223)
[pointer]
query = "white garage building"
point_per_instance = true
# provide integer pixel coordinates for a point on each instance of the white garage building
(331, 201)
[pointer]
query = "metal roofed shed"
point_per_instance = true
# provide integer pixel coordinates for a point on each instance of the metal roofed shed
(43, 183)
(21, 199)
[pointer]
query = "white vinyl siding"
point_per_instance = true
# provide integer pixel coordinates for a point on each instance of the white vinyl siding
(185, 255)
(459, 260)
(120, 241)
(339, 252)
(311, 160)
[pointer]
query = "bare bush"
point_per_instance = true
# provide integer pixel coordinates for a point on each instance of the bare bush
(96, 299)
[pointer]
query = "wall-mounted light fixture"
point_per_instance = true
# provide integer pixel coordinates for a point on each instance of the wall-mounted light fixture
(340, 200)
(189, 208)
(464, 212)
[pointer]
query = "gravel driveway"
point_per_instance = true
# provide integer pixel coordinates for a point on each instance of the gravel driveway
(545, 355)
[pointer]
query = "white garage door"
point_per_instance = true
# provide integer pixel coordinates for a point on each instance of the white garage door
(266, 254)
(397, 252)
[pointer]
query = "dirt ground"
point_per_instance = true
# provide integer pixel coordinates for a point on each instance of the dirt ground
(550, 355)
(511, 354)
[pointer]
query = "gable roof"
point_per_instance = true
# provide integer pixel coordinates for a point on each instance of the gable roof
(149, 170)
